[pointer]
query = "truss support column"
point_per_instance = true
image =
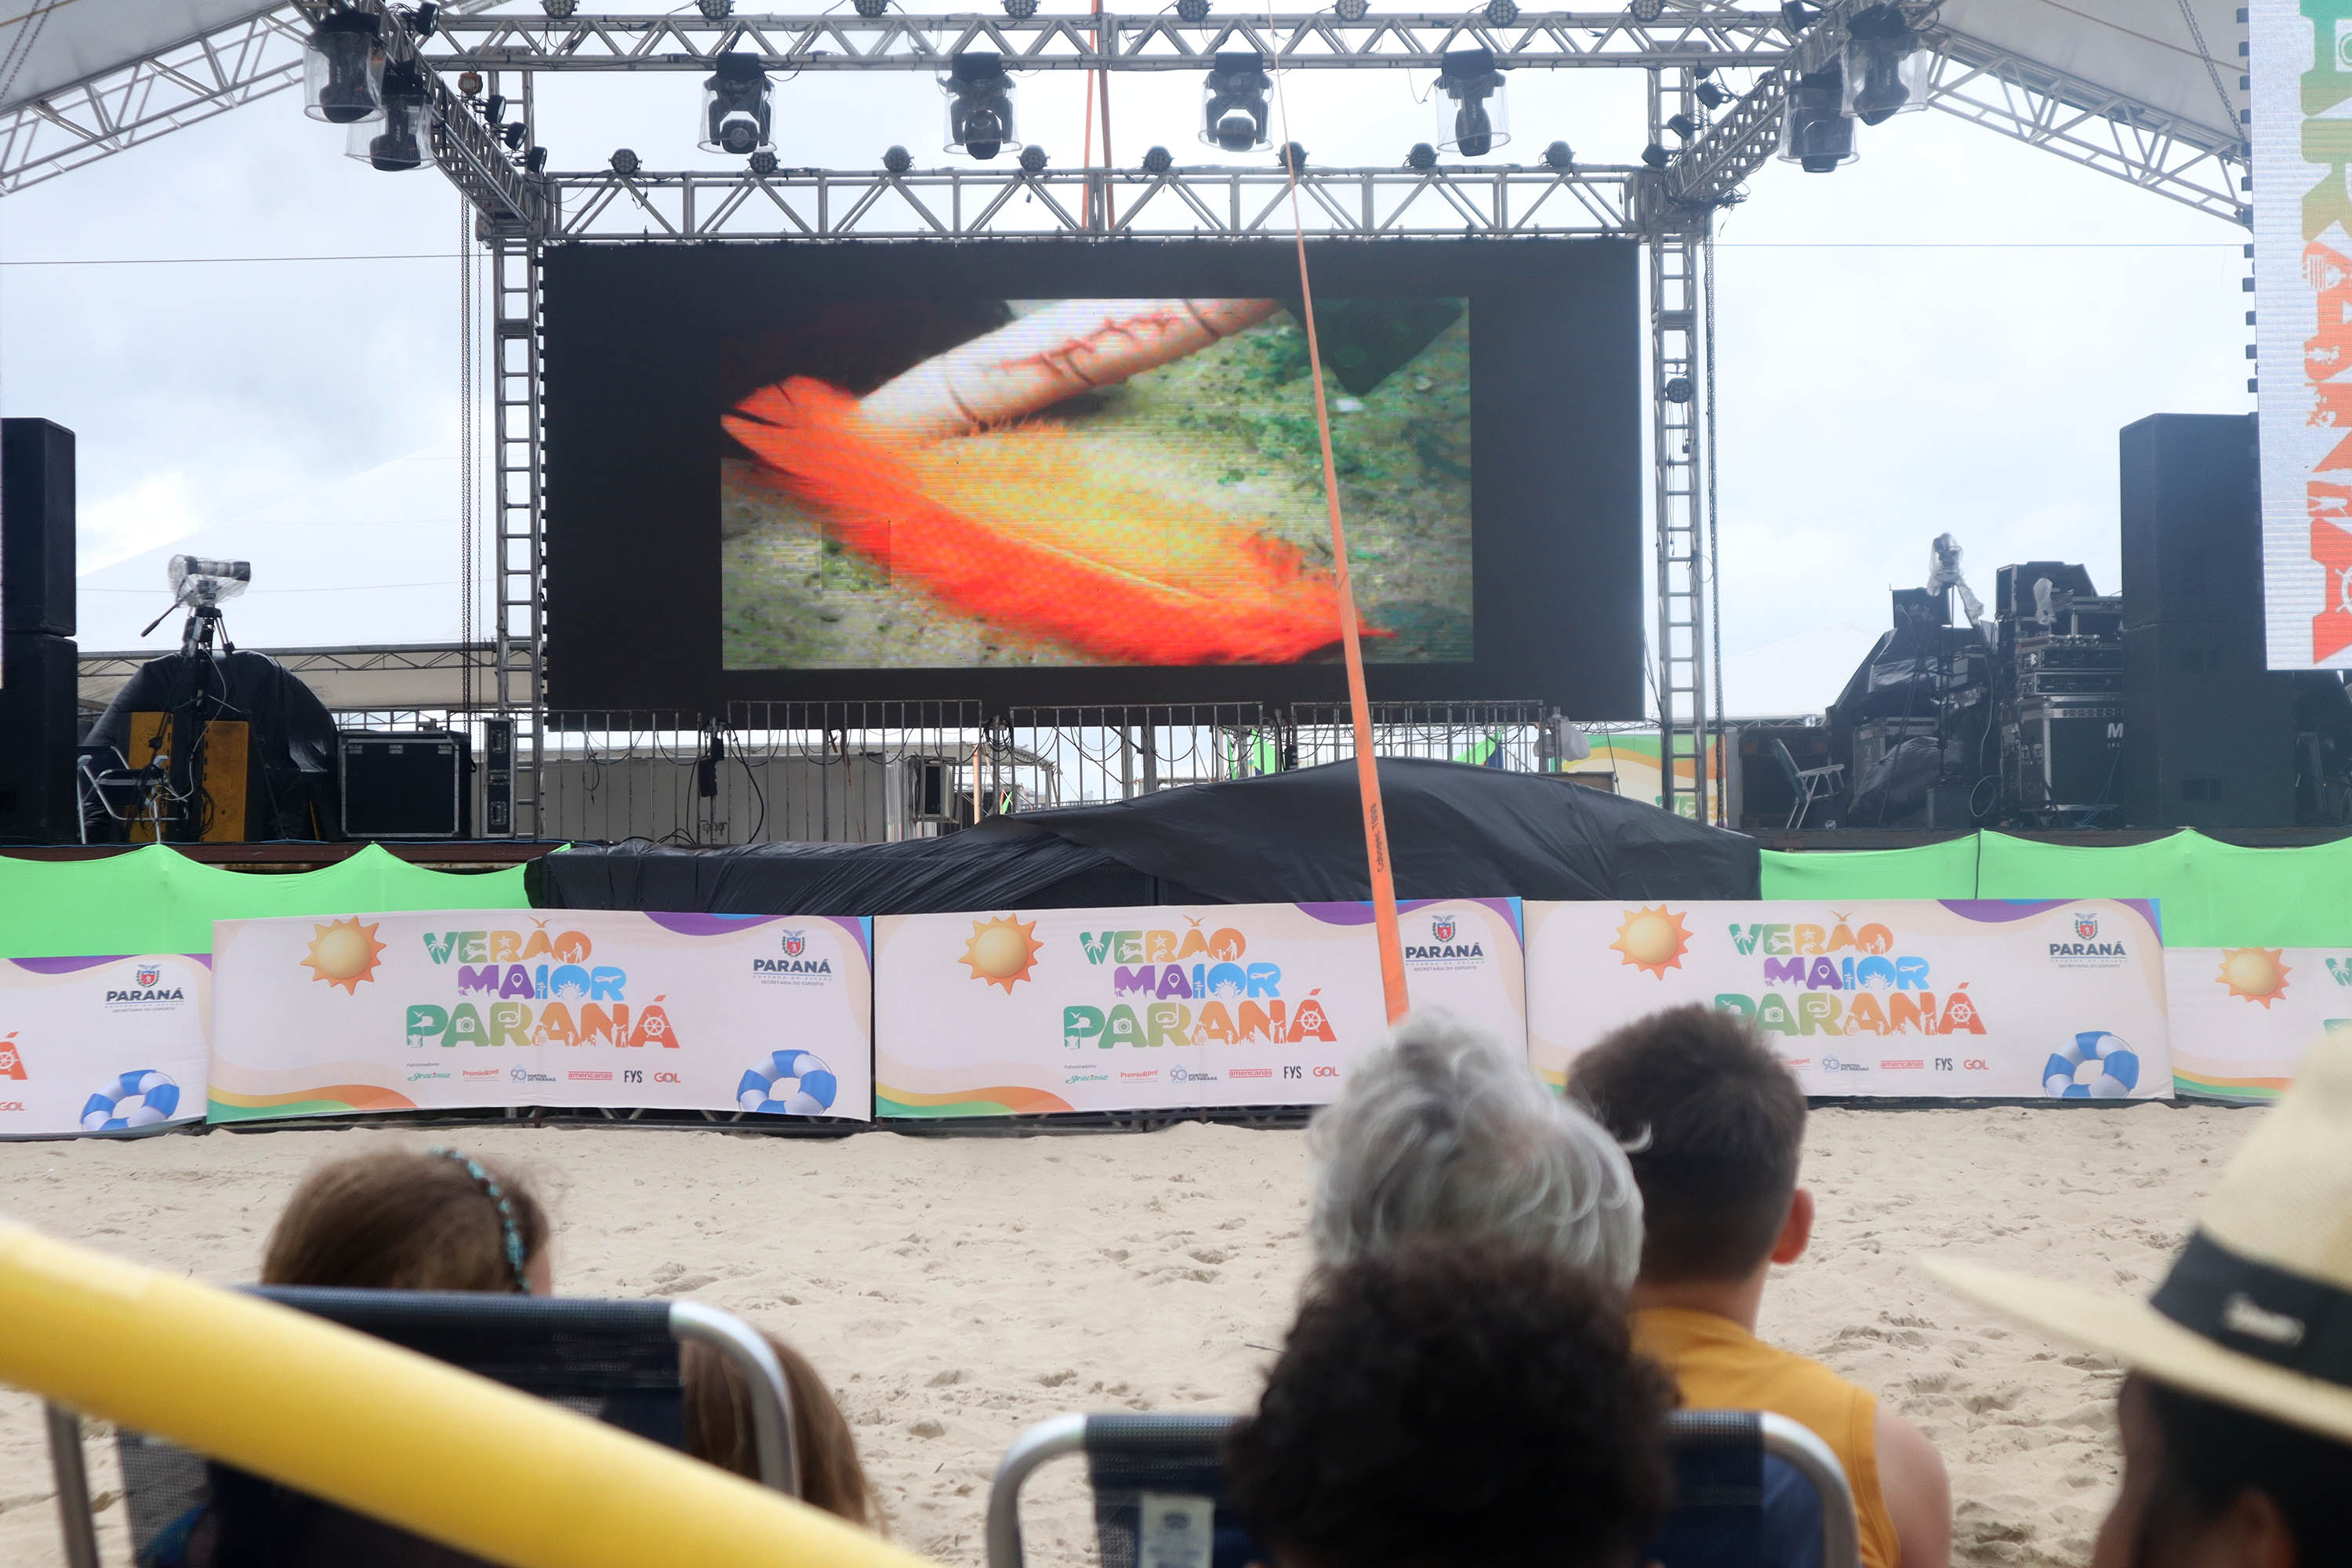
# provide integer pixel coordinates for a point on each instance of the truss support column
(515, 446)
(1680, 465)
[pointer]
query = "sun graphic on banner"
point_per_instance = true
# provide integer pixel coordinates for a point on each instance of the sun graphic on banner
(2255, 973)
(1003, 950)
(343, 954)
(1655, 940)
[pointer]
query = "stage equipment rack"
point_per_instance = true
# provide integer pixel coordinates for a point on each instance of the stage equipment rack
(1669, 207)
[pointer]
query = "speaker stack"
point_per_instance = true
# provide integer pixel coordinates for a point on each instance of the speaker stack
(2209, 732)
(37, 658)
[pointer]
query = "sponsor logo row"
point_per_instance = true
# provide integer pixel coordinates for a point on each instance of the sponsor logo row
(1895, 1064)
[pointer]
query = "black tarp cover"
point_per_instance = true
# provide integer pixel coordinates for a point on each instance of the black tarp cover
(1295, 837)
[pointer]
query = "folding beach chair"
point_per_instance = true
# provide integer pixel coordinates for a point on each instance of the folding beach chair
(614, 1360)
(1751, 1489)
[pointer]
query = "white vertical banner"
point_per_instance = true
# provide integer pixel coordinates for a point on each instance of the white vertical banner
(2300, 69)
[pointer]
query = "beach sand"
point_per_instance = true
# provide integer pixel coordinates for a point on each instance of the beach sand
(956, 1290)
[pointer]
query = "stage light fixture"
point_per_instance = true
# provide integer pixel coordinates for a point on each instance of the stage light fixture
(1885, 70)
(1020, 10)
(399, 141)
(1473, 113)
(980, 104)
(1710, 95)
(1192, 13)
(1815, 134)
(424, 19)
(624, 161)
(1033, 160)
(512, 133)
(870, 10)
(534, 162)
(1682, 125)
(1234, 116)
(1353, 10)
(469, 84)
(1422, 157)
(897, 160)
(1678, 389)
(342, 69)
(1655, 156)
(736, 105)
(494, 108)
(1500, 13)
(764, 162)
(1157, 160)
(1292, 157)
(715, 10)
(1560, 157)
(1646, 11)
(560, 10)
(1796, 15)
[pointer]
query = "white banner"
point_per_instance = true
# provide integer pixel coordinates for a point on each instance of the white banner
(2243, 1018)
(1164, 1007)
(571, 1008)
(2300, 69)
(102, 1044)
(1974, 999)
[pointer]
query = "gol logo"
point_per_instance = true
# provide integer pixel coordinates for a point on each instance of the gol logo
(12, 1062)
(1326, 1072)
(12, 1105)
(665, 1077)
(1975, 1064)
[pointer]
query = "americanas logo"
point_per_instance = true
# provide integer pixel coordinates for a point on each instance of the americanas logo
(12, 1060)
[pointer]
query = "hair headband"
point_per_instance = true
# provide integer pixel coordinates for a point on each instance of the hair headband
(508, 1229)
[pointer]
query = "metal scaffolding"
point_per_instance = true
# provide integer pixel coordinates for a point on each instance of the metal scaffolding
(1666, 204)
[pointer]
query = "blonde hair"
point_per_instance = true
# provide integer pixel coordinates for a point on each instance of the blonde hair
(719, 1428)
(405, 1220)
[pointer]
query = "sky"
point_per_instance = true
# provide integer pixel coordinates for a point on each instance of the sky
(1943, 337)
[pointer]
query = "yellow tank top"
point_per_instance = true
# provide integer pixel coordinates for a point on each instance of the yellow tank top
(1721, 1366)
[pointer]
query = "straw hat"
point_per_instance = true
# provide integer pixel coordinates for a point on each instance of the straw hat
(2257, 1311)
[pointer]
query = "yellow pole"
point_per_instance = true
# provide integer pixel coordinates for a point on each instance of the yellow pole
(382, 1430)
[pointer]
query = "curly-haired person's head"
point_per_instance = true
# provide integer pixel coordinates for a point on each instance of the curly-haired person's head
(1455, 1404)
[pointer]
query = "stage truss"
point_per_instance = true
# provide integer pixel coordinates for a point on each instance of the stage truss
(1666, 205)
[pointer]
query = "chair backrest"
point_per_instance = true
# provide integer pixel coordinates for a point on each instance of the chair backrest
(616, 1362)
(1751, 1489)
(1789, 769)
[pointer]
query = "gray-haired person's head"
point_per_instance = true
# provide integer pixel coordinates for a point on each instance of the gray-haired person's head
(1445, 1130)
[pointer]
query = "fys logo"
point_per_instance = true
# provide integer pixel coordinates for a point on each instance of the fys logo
(1002, 951)
(2098, 1066)
(1655, 940)
(343, 954)
(2255, 975)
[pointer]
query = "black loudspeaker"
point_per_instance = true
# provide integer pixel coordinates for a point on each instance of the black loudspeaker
(2209, 740)
(2192, 532)
(36, 739)
(406, 785)
(37, 527)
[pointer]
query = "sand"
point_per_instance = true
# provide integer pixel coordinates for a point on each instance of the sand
(956, 1290)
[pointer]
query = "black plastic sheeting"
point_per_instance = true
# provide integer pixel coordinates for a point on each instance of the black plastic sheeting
(1296, 838)
(291, 739)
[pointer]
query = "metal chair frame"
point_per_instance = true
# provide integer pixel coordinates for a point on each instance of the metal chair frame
(689, 1321)
(1780, 1437)
(1806, 783)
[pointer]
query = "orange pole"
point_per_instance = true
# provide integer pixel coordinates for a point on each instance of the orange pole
(1368, 772)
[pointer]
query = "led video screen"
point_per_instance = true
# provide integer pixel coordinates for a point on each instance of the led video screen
(1045, 472)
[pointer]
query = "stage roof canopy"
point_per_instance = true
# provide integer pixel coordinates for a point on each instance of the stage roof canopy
(45, 45)
(2142, 49)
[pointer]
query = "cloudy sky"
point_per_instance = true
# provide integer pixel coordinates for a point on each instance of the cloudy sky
(1943, 337)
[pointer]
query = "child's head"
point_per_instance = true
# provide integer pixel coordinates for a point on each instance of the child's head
(402, 1220)
(1713, 1126)
(718, 1429)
